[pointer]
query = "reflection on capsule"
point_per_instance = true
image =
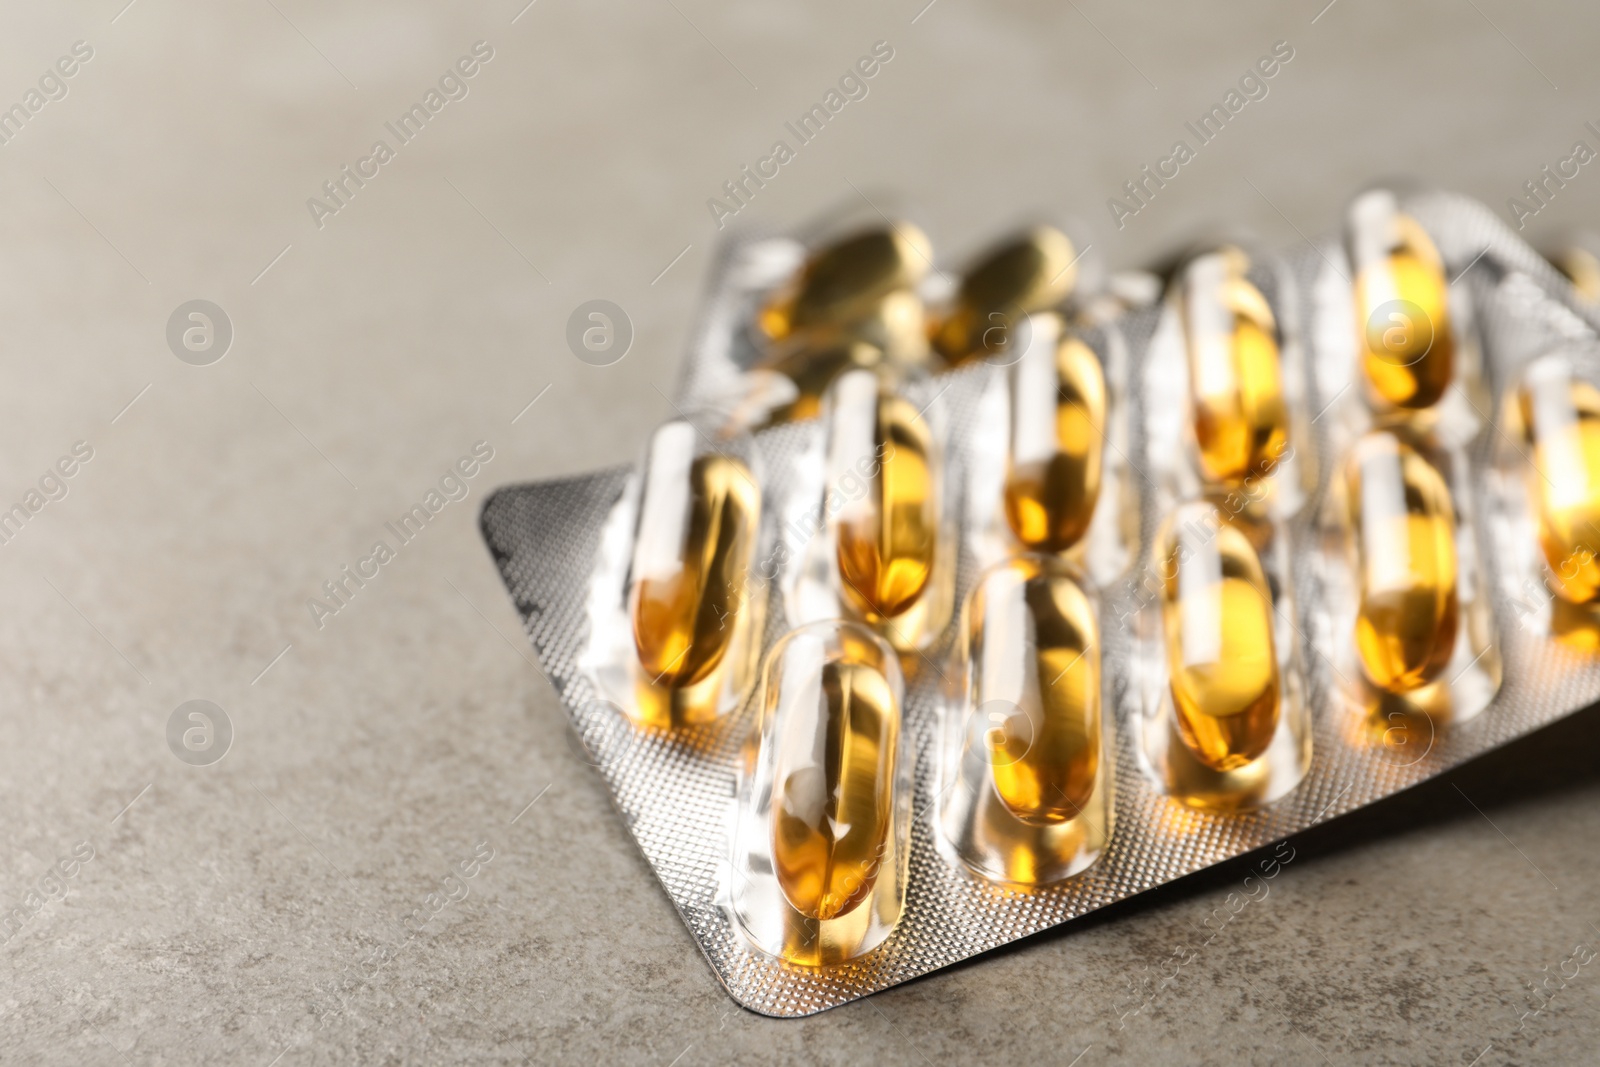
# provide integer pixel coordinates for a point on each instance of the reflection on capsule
(1404, 524)
(832, 788)
(1402, 305)
(1031, 272)
(849, 280)
(887, 536)
(1034, 651)
(1235, 381)
(1058, 412)
(1560, 417)
(1222, 661)
(696, 535)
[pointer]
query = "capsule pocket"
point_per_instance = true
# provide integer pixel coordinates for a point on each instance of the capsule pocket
(1026, 766)
(691, 609)
(822, 834)
(887, 554)
(1413, 634)
(1547, 470)
(1224, 723)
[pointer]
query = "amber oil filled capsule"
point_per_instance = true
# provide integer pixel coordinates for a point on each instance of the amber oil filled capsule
(1227, 729)
(1240, 414)
(1026, 760)
(887, 538)
(1054, 463)
(861, 287)
(689, 589)
(1031, 272)
(1402, 306)
(821, 845)
(1405, 527)
(1559, 416)
(1222, 663)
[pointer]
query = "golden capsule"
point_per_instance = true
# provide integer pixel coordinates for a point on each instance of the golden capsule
(1033, 643)
(885, 538)
(848, 281)
(1561, 421)
(1402, 305)
(1582, 268)
(1217, 622)
(1405, 527)
(1241, 420)
(833, 786)
(1031, 272)
(695, 539)
(1058, 414)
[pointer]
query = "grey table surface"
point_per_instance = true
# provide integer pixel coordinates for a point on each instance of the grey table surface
(377, 749)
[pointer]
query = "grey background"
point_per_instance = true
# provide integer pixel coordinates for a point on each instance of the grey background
(371, 759)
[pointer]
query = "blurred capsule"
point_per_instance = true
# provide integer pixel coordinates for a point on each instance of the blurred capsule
(1560, 418)
(1058, 413)
(1581, 267)
(1402, 305)
(1235, 381)
(1033, 271)
(887, 536)
(1217, 619)
(846, 283)
(1033, 647)
(1404, 525)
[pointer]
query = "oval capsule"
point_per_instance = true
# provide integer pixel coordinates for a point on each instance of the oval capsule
(696, 535)
(849, 280)
(1402, 305)
(885, 536)
(1217, 625)
(836, 725)
(1240, 416)
(1053, 465)
(1560, 417)
(1034, 685)
(1404, 525)
(1031, 272)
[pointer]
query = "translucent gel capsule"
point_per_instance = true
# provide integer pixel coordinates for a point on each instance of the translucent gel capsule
(1236, 393)
(1058, 414)
(1223, 723)
(886, 537)
(1222, 659)
(821, 844)
(1031, 272)
(1560, 416)
(1402, 305)
(848, 281)
(1404, 522)
(688, 588)
(831, 804)
(1027, 760)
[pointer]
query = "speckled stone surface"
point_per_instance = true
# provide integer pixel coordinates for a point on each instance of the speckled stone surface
(305, 899)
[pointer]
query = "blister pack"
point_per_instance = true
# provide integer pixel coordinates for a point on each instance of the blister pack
(959, 606)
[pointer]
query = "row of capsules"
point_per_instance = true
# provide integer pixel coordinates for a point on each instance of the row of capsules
(820, 844)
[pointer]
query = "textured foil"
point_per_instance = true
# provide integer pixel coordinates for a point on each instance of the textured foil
(676, 791)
